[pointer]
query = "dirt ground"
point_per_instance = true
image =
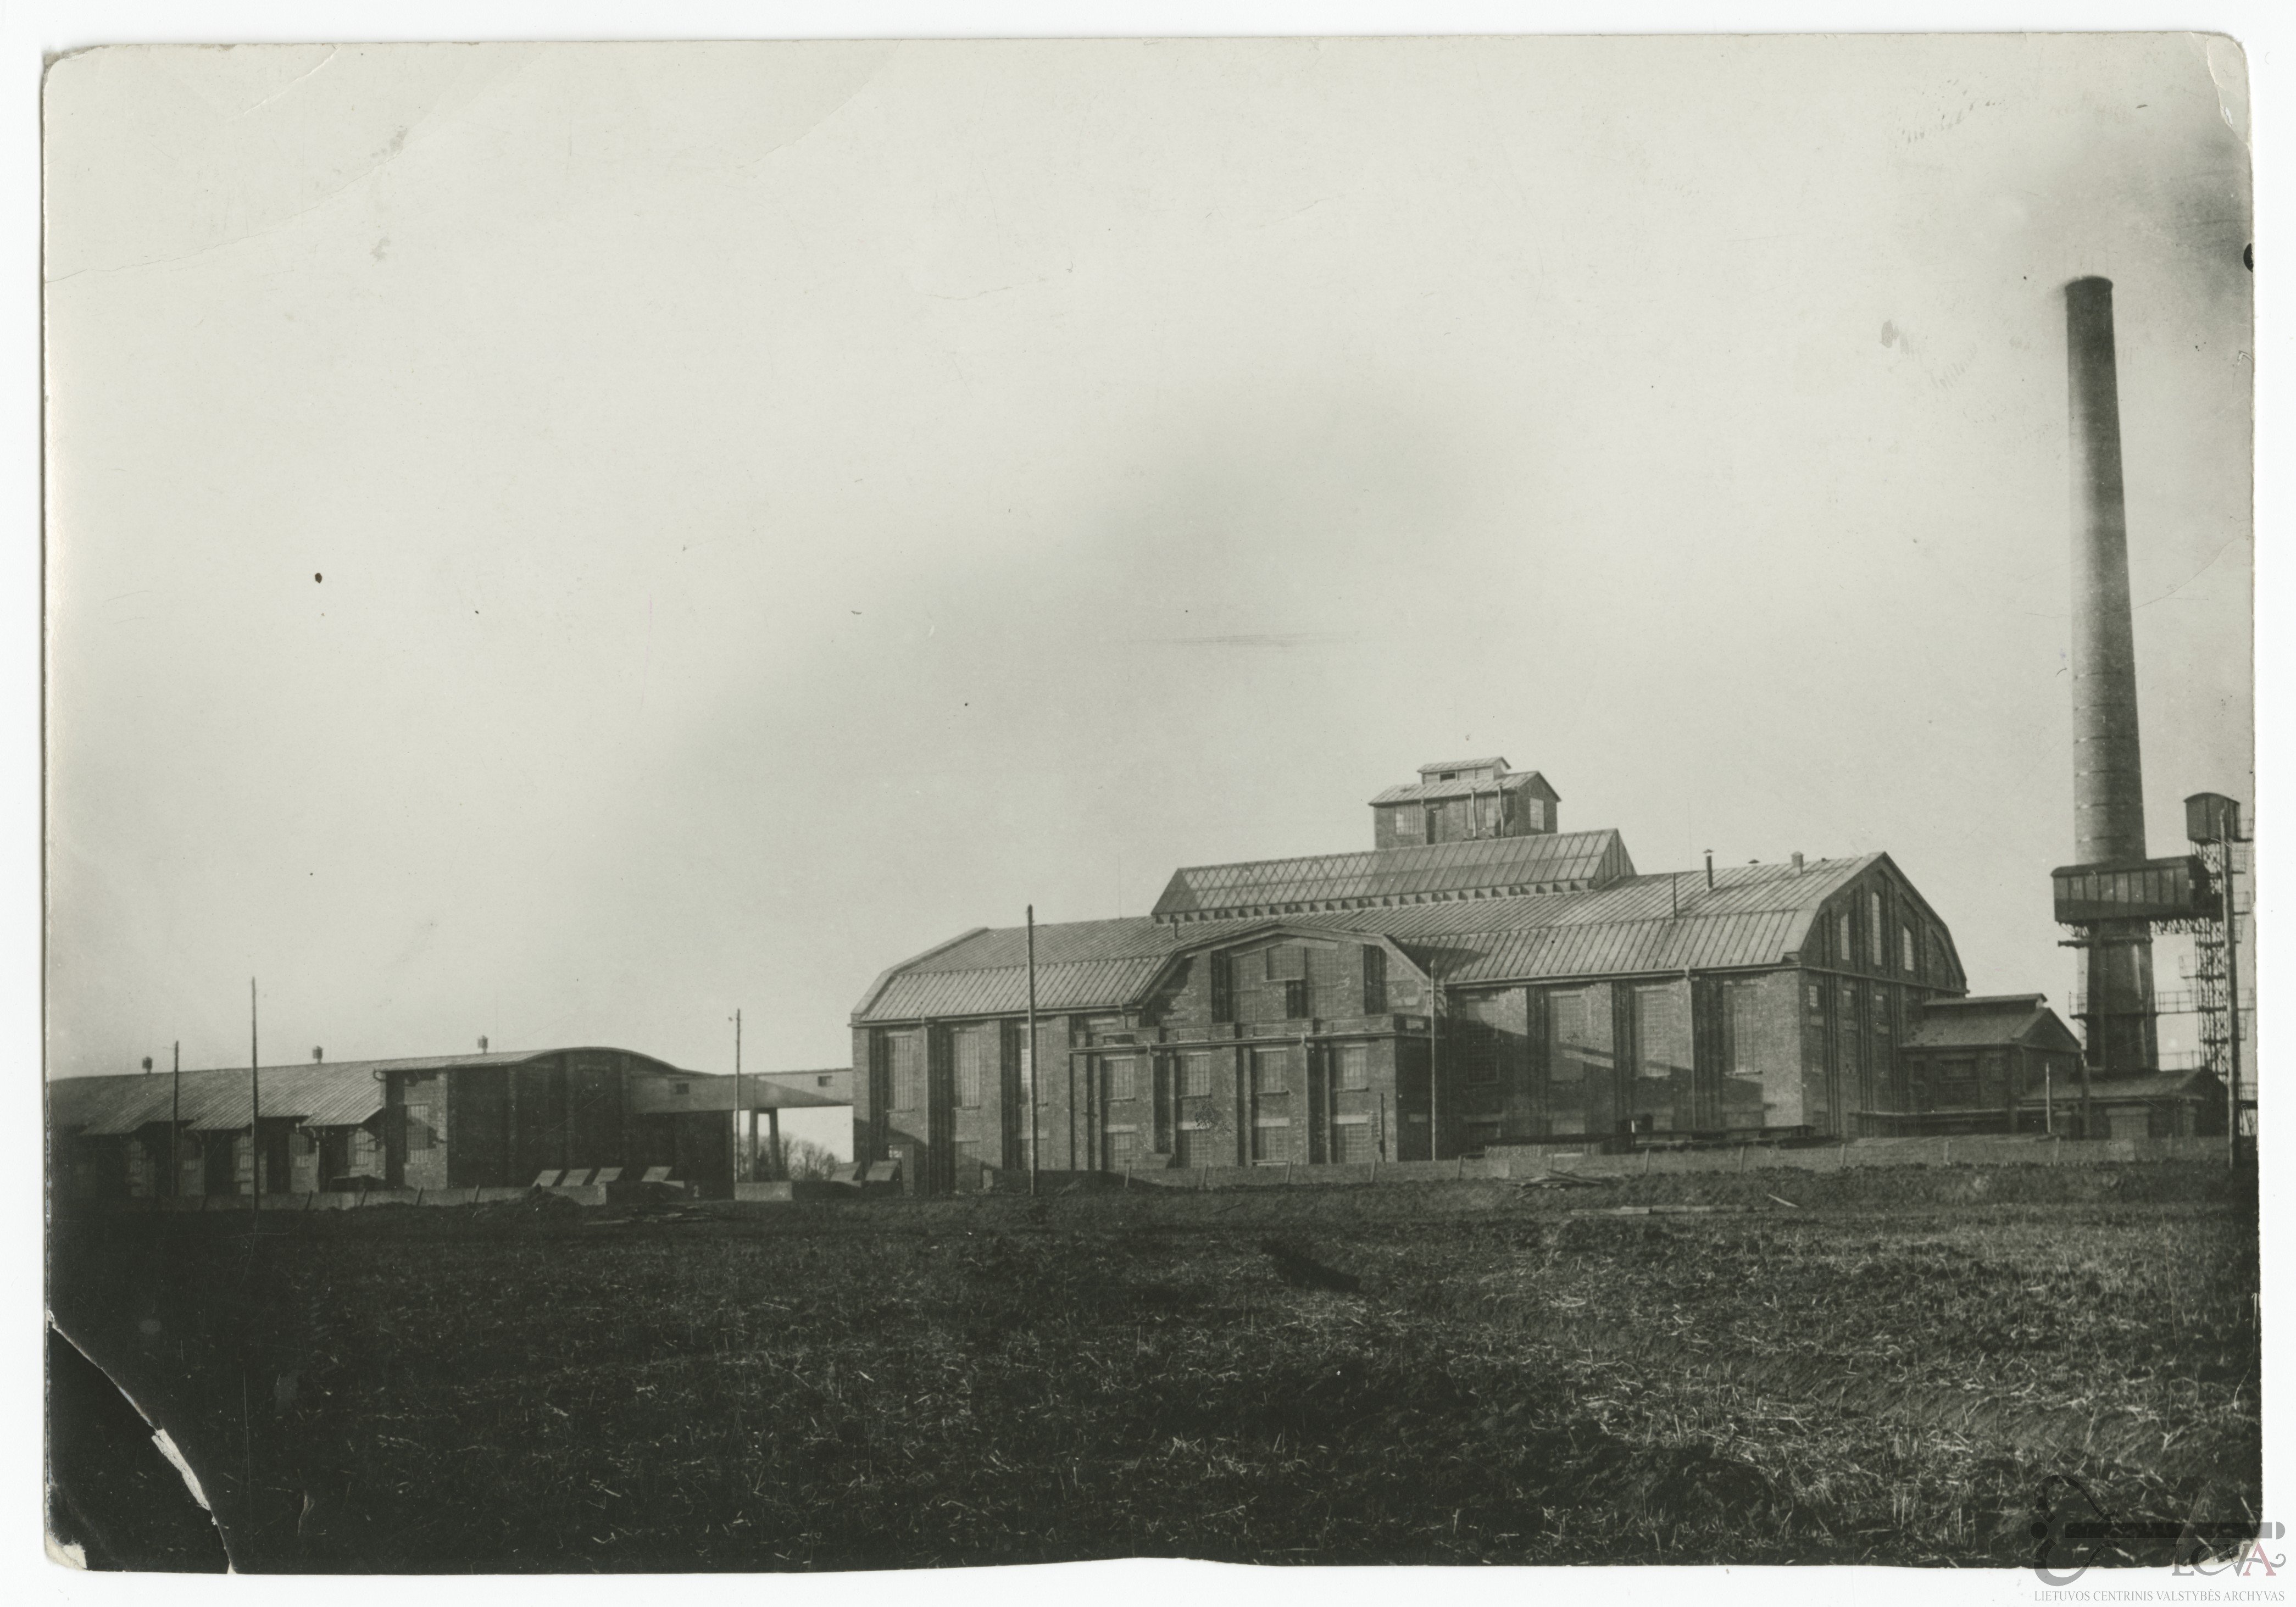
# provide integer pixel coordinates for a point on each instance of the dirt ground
(1909, 1366)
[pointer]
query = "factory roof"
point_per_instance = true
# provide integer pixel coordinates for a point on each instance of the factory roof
(659, 1093)
(1755, 915)
(1430, 790)
(1992, 1020)
(323, 1093)
(1552, 862)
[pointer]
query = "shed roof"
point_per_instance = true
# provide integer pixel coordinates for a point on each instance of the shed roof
(1553, 862)
(1754, 916)
(317, 1093)
(1494, 762)
(2151, 1085)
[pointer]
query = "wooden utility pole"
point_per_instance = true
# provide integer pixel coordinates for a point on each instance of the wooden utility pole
(1030, 1050)
(254, 1104)
(175, 1123)
(1434, 1109)
(740, 1116)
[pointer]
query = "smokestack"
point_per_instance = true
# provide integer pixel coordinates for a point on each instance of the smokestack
(2108, 773)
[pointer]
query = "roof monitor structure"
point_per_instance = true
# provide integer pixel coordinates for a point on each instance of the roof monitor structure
(1463, 800)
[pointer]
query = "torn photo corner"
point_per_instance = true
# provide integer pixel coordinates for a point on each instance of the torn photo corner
(844, 806)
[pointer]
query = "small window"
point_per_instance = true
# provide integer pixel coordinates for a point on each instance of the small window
(418, 1127)
(1355, 1066)
(1906, 950)
(1844, 954)
(1222, 987)
(818, 1082)
(1374, 980)
(1121, 1078)
(1295, 1002)
(1448, 775)
(678, 1089)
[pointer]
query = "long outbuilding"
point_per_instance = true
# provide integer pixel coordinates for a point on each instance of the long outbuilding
(486, 1120)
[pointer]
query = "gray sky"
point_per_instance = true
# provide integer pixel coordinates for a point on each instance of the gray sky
(780, 506)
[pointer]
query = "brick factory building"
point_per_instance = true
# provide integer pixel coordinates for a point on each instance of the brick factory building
(1480, 977)
(485, 1120)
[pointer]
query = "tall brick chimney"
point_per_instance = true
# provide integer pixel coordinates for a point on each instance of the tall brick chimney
(2108, 772)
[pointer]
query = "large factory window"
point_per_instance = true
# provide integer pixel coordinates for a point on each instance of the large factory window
(1578, 1052)
(1355, 1065)
(1845, 952)
(1906, 950)
(1374, 980)
(1196, 1074)
(1743, 1104)
(1121, 1078)
(1268, 1138)
(1295, 1000)
(974, 1045)
(908, 1071)
(1662, 1093)
(1267, 1070)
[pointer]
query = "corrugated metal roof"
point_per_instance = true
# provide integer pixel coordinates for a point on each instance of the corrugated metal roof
(317, 1093)
(1493, 763)
(1610, 949)
(1005, 991)
(1425, 790)
(1755, 915)
(1554, 861)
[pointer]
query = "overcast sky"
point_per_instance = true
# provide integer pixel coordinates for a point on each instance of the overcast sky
(781, 506)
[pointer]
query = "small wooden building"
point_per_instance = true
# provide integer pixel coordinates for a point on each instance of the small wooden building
(1991, 1063)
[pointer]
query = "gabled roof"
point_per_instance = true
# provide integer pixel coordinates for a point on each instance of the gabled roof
(1990, 1021)
(1431, 791)
(1490, 866)
(323, 1093)
(1756, 915)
